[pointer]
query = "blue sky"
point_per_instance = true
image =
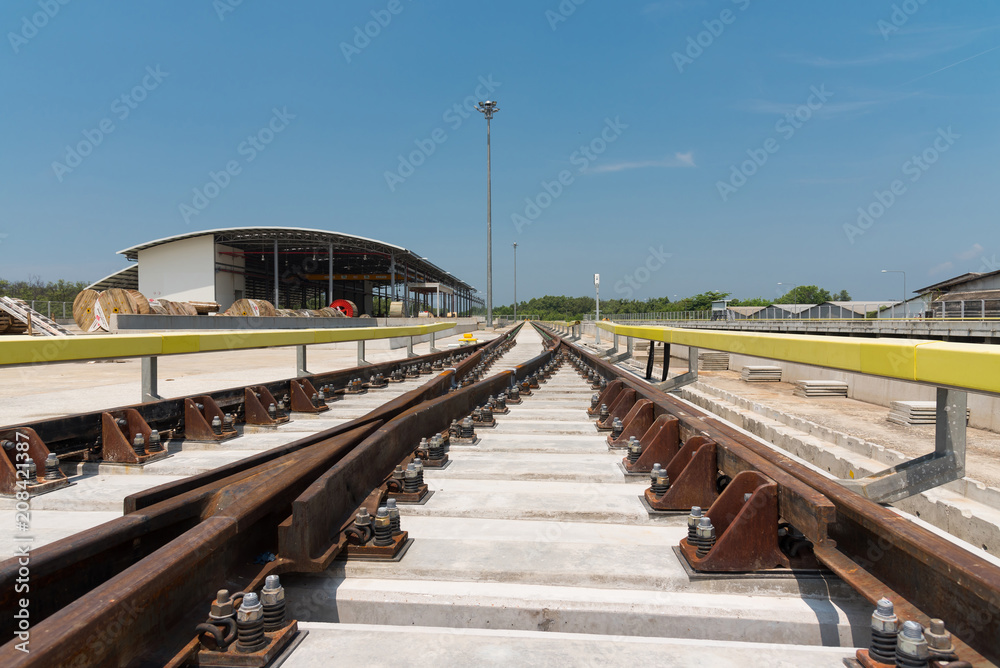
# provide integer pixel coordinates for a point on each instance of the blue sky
(672, 146)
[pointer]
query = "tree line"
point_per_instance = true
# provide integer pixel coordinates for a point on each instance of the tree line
(552, 307)
(36, 289)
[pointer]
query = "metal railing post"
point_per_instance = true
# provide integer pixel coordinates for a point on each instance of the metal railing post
(149, 390)
(361, 354)
(300, 361)
(409, 347)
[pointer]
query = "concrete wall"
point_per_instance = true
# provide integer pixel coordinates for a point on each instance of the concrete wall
(183, 270)
(227, 283)
(132, 323)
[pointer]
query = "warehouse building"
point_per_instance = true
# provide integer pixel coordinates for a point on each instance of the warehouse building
(293, 268)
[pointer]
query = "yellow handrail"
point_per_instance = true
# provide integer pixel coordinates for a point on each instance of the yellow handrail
(37, 350)
(971, 366)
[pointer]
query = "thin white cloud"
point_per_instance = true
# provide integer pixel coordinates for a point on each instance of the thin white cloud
(940, 268)
(678, 160)
(971, 253)
(948, 67)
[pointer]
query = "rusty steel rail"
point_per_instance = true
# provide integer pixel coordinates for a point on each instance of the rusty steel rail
(134, 588)
(74, 436)
(871, 548)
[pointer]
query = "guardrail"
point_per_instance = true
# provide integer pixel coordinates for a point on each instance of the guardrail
(953, 368)
(966, 366)
(28, 350)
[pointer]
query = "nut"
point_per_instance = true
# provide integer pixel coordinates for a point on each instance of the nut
(272, 593)
(252, 611)
(910, 641)
(938, 638)
(222, 606)
(884, 619)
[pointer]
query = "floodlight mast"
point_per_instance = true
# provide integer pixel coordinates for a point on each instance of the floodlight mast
(487, 109)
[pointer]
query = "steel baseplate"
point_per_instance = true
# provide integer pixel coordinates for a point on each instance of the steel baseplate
(278, 641)
(763, 574)
(371, 552)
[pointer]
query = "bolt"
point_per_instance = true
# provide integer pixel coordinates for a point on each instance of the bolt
(139, 445)
(217, 425)
(52, 471)
(315, 400)
(705, 535)
(272, 598)
(911, 648)
(604, 412)
(222, 606)
(884, 626)
(250, 624)
(419, 465)
(155, 444)
(616, 428)
(320, 396)
(939, 641)
(32, 472)
(746, 497)
(383, 527)
(272, 411)
(411, 485)
(661, 483)
(634, 449)
(594, 400)
(393, 516)
(363, 519)
(693, 520)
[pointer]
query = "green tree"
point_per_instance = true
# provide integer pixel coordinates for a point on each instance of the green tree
(805, 294)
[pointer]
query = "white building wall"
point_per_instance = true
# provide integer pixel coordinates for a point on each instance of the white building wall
(182, 270)
(229, 286)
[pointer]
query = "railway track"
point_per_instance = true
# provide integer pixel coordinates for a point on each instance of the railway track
(527, 531)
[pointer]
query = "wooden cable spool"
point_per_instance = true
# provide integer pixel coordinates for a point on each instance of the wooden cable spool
(157, 308)
(345, 306)
(139, 302)
(252, 308)
(115, 300)
(83, 310)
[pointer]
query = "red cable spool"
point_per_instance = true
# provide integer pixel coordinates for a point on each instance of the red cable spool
(345, 306)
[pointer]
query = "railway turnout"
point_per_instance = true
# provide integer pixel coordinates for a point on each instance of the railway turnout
(516, 501)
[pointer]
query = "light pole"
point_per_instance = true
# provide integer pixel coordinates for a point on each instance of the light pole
(900, 271)
(515, 281)
(597, 290)
(487, 109)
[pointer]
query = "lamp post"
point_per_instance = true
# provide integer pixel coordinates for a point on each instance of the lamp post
(487, 109)
(515, 281)
(597, 290)
(906, 307)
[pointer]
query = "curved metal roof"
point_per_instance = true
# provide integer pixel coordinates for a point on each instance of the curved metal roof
(238, 236)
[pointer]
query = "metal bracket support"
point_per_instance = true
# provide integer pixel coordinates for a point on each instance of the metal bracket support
(361, 354)
(945, 464)
(409, 347)
(149, 392)
(677, 382)
(300, 362)
(433, 349)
